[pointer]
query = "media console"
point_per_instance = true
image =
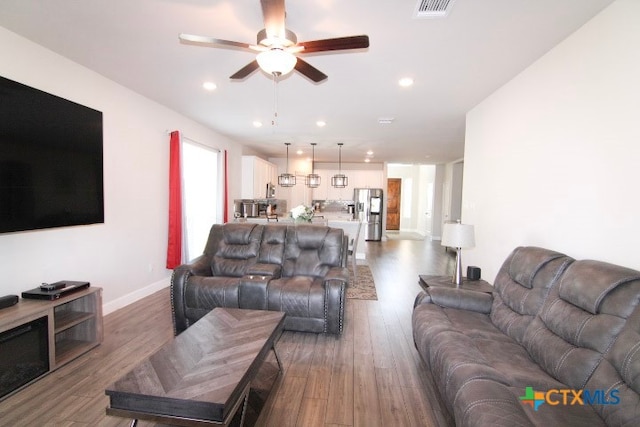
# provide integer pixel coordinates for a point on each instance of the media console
(74, 326)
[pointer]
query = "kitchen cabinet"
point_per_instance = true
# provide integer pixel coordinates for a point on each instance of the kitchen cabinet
(357, 179)
(256, 174)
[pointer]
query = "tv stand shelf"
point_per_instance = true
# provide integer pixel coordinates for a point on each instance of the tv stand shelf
(74, 323)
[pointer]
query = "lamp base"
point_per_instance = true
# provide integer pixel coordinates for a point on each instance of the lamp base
(457, 274)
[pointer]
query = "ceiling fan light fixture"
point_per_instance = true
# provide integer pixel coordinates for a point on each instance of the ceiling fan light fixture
(276, 61)
(288, 40)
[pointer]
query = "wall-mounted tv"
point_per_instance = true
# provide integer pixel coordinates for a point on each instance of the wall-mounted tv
(50, 160)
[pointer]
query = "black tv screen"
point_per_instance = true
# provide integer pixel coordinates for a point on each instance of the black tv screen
(50, 160)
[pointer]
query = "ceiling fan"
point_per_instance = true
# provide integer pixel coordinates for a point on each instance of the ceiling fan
(278, 46)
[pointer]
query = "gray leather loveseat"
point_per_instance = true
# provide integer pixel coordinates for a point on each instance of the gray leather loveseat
(297, 269)
(558, 344)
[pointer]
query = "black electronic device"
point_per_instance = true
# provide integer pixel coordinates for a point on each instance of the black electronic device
(53, 286)
(69, 286)
(473, 273)
(51, 160)
(8, 301)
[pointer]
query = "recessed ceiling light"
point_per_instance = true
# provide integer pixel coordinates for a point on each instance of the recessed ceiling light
(369, 153)
(321, 123)
(385, 120)
(367, 160)
(299, 152)
(405, 81)
(209, 85)
(257, 124)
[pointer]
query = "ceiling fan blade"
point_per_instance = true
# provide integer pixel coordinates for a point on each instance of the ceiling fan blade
(190, 38)
(273, 13)
(308, 70)
(340, 43)
(245, 71)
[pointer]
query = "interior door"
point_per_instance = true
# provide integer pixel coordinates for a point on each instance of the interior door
(393, 203)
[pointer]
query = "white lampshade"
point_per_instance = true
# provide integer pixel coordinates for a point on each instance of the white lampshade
(456, 235)
(276, 61)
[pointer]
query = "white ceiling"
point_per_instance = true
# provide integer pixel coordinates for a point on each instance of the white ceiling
(455, 62)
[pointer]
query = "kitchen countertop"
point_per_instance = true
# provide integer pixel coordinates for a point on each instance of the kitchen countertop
(345, 222)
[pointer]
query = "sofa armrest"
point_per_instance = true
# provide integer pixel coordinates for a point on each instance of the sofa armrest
(269, 270)
(461, 299)
(335, 283)
(200, 266)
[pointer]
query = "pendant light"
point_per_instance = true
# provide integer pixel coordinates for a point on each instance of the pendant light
(339, 180)
(287, 179)
(313, 179)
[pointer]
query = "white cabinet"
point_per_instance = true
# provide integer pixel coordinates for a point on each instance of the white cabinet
(320, 193)
(357, 179)
(368, 179)
(256, 174)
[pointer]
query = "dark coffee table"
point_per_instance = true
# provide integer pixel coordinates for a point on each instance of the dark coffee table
(203, 376)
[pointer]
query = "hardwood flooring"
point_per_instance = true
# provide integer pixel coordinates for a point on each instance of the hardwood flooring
(370, 376)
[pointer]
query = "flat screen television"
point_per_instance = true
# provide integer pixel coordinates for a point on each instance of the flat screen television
(51, 170)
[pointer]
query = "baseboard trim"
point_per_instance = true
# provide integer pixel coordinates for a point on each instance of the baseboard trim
(134, 296)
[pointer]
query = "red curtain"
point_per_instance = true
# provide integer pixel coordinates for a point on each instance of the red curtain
(225, 215)
(174, 245)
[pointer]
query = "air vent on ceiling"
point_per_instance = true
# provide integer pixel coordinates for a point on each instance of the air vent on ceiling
(433, 8)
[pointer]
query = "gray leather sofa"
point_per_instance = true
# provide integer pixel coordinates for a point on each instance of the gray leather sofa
(300, 270)
(557, 326)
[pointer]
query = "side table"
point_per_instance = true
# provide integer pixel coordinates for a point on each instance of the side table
(445, 281)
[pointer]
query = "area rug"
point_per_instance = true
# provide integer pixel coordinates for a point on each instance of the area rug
(404, 235)
(364, 287)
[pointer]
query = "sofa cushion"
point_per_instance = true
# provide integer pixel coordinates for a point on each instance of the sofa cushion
(460, 345)
(236, 249)
(272, 245)
(312, 250)
(298, 296)
(619, 376)
(591, 282)
(568, 340)
(485, 402)
(522, 285)
(209, 292)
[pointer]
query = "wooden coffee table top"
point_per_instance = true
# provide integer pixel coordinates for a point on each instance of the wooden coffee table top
(202, 372)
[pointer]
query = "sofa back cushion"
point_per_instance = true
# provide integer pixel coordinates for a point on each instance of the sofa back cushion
(521, 286)
(233, 248)
(617, 377)
(311, 250)
(272, 245)
(581, 319)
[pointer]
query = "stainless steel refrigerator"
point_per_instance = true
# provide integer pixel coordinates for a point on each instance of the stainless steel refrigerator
(368, 209)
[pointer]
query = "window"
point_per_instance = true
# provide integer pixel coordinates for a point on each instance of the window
(201, 195)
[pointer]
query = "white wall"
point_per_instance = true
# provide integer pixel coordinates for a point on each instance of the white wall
(125, 255)
(552, 158)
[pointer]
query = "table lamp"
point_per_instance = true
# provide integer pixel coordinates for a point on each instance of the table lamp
(459, 236)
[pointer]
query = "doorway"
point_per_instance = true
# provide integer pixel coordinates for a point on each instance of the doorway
(394, 186)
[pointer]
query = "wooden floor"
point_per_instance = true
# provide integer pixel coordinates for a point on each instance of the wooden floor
(370, 376)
